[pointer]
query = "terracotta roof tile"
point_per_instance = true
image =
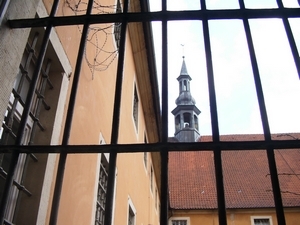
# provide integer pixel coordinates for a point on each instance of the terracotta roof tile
(246, 177)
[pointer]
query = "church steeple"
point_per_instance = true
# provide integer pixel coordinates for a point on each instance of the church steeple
(186, 112)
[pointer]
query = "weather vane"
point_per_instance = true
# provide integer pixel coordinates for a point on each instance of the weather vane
(182, 45)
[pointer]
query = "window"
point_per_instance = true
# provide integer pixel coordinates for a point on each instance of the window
(145, 159)
(102, 189)
(131, 212)
(117, 26)
(151, 178)
(145, 153)
(135, 108)
(131, 216)
(260, 220)
(42, 107)
(156, 200)
(43, 114)
(179, 222)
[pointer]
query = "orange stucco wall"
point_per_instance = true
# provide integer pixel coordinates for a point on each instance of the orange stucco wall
(93, 115)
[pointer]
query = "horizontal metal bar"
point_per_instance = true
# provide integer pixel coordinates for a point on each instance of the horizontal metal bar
(156, 16)
(130, 148)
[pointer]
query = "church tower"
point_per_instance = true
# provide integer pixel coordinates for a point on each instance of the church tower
(186, 112)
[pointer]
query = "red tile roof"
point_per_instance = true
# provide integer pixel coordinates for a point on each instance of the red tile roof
(245, 173)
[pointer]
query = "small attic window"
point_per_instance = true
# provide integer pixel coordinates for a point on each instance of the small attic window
(135, 107)
(258, 220)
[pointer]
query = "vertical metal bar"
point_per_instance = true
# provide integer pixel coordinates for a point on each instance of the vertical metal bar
(116, 122)
(25, 114)
(265, 123)
(163, 151)
(291, 38)
(211, 85)
(69, 118)
(258, 85)
(214, 121)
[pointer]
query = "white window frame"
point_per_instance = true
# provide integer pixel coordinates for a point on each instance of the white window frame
(188, 222)
(133, 209)
(106, 155)
(261, 217)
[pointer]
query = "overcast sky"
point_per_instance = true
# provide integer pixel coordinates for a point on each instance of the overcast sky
(238, 110)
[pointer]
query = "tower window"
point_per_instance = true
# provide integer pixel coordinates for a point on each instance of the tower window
(184, 85)
(177, 123)
(187, 119)
(196, 122)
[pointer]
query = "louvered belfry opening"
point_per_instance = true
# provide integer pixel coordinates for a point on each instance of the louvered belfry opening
(215, 145)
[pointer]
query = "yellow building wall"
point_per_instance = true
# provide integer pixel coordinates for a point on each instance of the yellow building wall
(234, 217)
(92, 117)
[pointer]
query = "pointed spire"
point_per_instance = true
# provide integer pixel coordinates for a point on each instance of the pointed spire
(183, 67)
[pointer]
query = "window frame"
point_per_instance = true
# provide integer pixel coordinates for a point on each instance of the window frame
(132, 209)
(252, 218)
(178, 218)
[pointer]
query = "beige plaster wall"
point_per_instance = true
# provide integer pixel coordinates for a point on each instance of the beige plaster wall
(234, 217)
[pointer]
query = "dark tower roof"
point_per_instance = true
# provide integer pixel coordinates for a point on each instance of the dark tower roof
(183, 68)
(185, 97)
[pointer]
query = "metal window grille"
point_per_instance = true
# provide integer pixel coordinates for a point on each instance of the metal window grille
(102, 189)
(216, 145)
(261, 222)
(179, 222)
